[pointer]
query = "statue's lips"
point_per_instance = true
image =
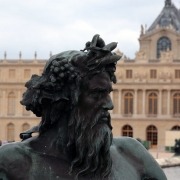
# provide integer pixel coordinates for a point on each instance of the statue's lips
(105, 116)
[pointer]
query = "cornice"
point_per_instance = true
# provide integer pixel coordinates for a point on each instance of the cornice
(16, 62)
(136, 63)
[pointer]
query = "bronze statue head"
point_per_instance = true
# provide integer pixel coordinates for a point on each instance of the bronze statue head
(64, 73)
(74, 88)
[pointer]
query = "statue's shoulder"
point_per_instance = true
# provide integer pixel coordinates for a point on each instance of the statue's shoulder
(130, 146)
(14, 161)
(134, 150)
(125, 142)
(12, 153)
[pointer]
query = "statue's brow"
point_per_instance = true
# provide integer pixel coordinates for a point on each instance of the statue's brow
(102, 89)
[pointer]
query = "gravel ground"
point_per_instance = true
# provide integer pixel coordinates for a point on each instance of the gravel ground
(172, 173)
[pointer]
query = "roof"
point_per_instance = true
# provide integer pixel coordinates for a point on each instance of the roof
(169, 17)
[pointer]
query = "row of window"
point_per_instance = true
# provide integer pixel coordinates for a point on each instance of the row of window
(128, 104)
(127, 130)
(11, 130)
(152, 103)
(151, 132)
(152, 74)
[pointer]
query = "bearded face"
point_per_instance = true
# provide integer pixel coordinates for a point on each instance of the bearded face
(90, 129)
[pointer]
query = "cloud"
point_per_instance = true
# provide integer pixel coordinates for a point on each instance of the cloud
(58, 25)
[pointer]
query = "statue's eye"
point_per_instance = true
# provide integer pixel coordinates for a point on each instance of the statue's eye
(95, 94)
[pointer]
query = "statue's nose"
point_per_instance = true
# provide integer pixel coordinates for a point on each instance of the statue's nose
(108, 104)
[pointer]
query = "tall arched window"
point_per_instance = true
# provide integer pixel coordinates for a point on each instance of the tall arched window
(176, 128)
(152, 134)
(25, 127)
(10, 132)
(0, 104)
(152, 103)
(176, 104)
(11, 104)
(163, 44)
(128, 103)
(127, 131)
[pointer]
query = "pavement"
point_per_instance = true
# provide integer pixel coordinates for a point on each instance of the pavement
(169, 163)
(172, 173)
(160, 154)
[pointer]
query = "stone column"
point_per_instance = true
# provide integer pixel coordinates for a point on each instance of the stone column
(160, 102)
(18, 105)
(1, 103)
(4, 103)
(135, 103)
(120, 102)
(116, 101)
(144, 102)
(168, 102)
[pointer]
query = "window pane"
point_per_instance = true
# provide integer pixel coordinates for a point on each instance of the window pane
(25, 127)
(129, 74)
(152, 134)
(127, 131)
(153, 74)
(27, 73)
(163, 44)
(176, 104)
(12, 73)
(175, 128)
(177, 74)
(10, 132)
(128, 103)
(11, 104)
(153, 103)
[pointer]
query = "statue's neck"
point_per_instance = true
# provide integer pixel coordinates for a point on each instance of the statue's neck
(53, 142)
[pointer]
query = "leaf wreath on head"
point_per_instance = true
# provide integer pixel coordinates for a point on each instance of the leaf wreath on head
(63, 73)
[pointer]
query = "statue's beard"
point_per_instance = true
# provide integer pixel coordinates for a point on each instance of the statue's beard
(91, 136)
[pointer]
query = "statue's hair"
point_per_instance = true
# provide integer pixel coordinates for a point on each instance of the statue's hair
(63, 73)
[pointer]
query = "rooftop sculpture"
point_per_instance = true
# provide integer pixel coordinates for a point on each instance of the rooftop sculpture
(75, 139)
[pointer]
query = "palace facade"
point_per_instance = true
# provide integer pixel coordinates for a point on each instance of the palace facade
(146, 97)
(13, 116)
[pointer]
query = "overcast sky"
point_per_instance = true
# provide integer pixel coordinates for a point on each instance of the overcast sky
(59, 25)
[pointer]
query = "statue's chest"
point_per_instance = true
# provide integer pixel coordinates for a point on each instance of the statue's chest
(48, 168)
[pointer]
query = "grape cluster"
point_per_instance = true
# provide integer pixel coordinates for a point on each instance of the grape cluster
(62, 72)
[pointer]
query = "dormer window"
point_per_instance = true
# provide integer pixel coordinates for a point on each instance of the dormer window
(163, 44)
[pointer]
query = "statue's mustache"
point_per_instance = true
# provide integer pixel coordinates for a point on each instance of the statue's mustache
(102, 117)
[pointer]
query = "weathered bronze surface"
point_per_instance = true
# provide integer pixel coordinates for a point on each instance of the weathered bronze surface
(75, 139)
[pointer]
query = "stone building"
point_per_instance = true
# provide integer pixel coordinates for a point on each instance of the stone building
(146, 96)
(13, 116)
